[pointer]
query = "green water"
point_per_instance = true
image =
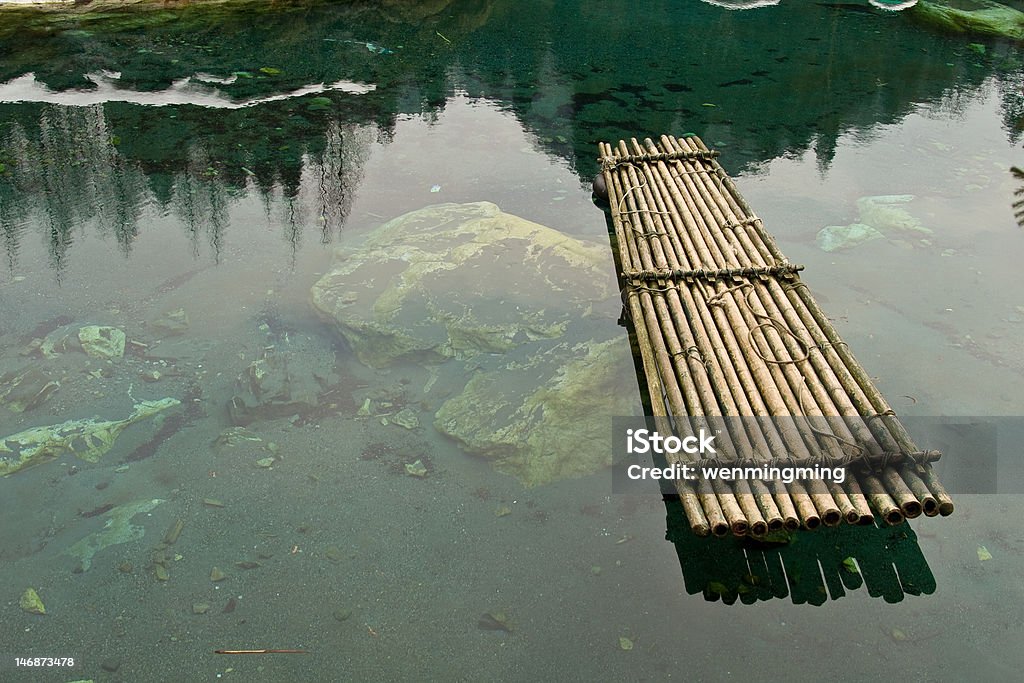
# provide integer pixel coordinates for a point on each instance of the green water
(214, 160)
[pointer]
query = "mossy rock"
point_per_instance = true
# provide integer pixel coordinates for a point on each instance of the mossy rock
(458, 281)
(548, 419)
(972, 17)
(522, 314)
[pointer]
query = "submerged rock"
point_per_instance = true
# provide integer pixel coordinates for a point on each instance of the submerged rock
(289, 377)
(170, 324)
(887, 214)
(972, 17)
(31, 602)
(102, 342)
(531, 308)
(549, 420)
(61, 340)
(25, 389)
(880, 216)
(836, 237)
(457, 281)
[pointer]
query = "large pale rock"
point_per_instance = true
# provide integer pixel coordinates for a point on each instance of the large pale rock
(459, 280)
(532, 308)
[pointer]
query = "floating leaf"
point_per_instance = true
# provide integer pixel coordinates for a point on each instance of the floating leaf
(625, 643)
(269, 70)
(983, 553)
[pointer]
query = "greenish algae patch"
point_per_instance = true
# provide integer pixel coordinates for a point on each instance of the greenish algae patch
(117, 530)
(88, 439)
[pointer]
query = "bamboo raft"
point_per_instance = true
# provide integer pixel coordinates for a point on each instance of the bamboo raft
(725, 327)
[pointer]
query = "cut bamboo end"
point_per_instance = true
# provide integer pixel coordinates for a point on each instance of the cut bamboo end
(881, 501)
(938, 490)
(757, 526)
(929, 505)
(805, 507)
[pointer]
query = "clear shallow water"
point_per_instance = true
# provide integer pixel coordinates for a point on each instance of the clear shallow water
(115, 212)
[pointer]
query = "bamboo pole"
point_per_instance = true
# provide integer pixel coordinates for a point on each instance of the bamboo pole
(859, 500)
(666, 257)
(937, 490)
(694, 504)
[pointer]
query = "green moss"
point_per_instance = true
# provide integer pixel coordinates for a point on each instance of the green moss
(972, 17)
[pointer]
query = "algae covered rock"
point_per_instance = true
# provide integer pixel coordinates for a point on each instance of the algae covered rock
(550, 419)
(170, 324)
(102, 342)
(879, 217)
(972, 17)
(887, 214)
(88, 439)
(522, 316)
(836, 237)
(459, 280)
